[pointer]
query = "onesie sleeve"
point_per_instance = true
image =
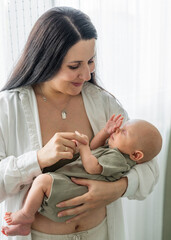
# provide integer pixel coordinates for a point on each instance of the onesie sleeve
(114, 164)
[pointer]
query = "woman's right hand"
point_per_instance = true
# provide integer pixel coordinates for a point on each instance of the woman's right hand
(60, 146)
(99, 195)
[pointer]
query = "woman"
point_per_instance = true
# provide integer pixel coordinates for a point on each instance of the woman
(51, 93)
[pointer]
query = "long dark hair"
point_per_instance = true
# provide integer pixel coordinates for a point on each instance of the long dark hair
(54, 33)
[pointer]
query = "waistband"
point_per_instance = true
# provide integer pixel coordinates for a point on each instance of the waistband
(83, 235)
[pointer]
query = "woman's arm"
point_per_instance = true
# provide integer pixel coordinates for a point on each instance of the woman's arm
(142, 179)
(138, 184)
(16, 172)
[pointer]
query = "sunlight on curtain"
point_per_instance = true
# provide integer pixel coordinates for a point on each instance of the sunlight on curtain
(3, 46)
(133, 62)
(135, 66)
(18, 17)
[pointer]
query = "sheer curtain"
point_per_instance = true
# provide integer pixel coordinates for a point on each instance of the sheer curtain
(133, 62)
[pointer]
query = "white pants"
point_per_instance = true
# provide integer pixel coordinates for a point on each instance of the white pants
(97, 233)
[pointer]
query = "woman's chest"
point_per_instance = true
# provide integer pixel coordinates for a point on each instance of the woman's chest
(51, 121)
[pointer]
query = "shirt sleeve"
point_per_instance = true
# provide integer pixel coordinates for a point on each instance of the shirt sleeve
(15, 172)
(142, 177)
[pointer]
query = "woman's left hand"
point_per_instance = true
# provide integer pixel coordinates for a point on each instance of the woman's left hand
(99, 195)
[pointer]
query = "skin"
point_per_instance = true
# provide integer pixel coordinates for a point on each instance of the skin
(57, 134)
(124, 138)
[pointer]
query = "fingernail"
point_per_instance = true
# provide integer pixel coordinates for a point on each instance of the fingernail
(59, 214)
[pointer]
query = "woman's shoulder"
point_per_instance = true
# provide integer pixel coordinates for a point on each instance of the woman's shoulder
(94, 90)
(11, 102)
(10, 95)
(108, 103)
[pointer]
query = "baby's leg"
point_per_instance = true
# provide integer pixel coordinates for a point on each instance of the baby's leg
(40, 187)
(14, 230)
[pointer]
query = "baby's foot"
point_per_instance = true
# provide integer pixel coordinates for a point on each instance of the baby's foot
(14, 230)
(18, 218)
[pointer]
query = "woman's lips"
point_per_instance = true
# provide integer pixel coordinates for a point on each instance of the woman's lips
(77, 84)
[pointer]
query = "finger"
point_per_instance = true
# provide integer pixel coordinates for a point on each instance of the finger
(119, 123)
(112, 117)
(81, 181)
(75, 142)
(68, 149)
(73, 136)
(72, 211)
(65, 155)
(64, 145)
(67, 143)
(77, 218)
(74, 201)
(79, 134)
(117, 117)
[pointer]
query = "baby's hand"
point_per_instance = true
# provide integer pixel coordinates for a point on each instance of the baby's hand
(83, 136)
(113, 123)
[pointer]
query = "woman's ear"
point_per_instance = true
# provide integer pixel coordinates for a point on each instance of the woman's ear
(136, 156)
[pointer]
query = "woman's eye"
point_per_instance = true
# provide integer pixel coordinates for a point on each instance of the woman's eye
(73, 67)
(91, 61)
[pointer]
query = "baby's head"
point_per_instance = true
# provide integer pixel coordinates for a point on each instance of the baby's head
(139, 139)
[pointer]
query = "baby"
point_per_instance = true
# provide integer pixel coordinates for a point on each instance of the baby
(137, 141)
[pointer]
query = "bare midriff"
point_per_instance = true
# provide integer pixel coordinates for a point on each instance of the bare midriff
(45, 225)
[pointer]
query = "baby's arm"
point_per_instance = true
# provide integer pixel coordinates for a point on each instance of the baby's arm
(89, 161)
(112, 124)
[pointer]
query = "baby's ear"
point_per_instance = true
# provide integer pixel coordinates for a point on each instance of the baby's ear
(136, 156)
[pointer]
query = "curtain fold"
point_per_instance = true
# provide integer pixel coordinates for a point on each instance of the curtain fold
(133, 63)
(3, 46)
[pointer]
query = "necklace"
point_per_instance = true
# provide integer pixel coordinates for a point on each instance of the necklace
(63, 112)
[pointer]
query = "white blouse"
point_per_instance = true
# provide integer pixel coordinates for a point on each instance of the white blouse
(20, 138)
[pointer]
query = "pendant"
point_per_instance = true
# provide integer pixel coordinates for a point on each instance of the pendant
(64, 114)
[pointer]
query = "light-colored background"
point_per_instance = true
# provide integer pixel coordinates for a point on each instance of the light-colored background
(133, 63)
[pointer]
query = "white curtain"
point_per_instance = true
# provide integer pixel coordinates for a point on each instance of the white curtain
(134, 59)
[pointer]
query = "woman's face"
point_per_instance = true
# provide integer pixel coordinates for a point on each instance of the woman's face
(76, 68)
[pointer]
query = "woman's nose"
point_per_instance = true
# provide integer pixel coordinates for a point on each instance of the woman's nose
(85, 73)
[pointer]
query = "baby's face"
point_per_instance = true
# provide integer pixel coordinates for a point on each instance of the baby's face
(123, 138)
